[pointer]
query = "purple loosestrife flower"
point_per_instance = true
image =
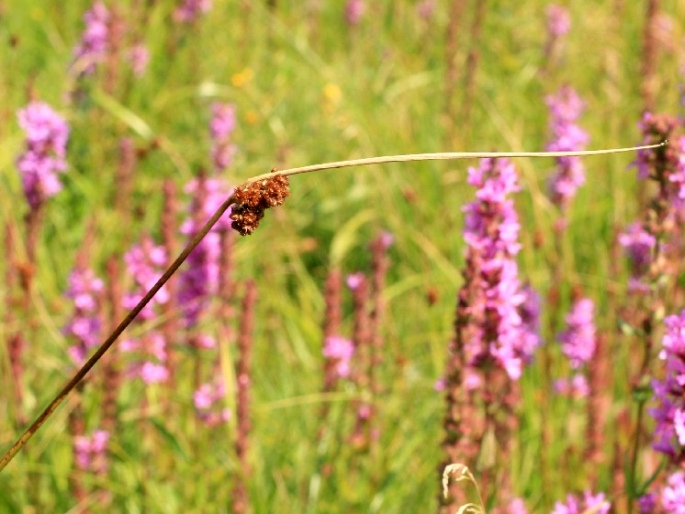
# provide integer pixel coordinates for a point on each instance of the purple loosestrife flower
(221, 127)
(206, 398)
(340, 351)
(189, 10)
(91, 452)
(597, 504)
(647, 503)
(638, 244)
(666, 163)
(558, 21)
(673, 494)
(139, 57)
(84, 289)
(491, 234)
(677, 177)
(354, 280)
(94, 43)
(354, 11)
(578, 340)
(200, 280)
(669, 413)
(575, 387)
(565, 109)
(145, 263)
(46, 146)
(426, 9)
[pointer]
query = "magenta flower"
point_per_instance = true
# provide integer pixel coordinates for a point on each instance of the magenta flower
(84, 327)
(576, 387)
(491, 234)
(221, 127)
(426, 9)
(92, 49)
(208, 403)
(139, 57)
(664, 164)
(516, 506)
(565, 109)
(647, 503)
(677, 176)
(46, 146)
(558, 20)
(673, 494)
(91, 452)
(354, 280)
(638, 244)
(578, 340)
(189, 10)
(200, 279)
(354, 11)
(669, 393)
(597, 504)
(340, 351)
(145, 263)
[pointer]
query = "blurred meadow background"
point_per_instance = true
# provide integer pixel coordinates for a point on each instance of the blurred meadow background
(305, 368)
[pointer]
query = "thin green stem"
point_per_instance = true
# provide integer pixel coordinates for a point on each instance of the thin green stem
(102, 349)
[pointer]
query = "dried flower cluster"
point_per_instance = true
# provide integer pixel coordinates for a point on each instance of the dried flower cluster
(253, 199)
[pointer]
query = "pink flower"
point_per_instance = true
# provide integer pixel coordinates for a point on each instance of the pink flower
(208, 402)
(578, 340)
(558, 20)
(189, 10)
(340, 351)
(92, 49)
(354, 11)
(46, 141)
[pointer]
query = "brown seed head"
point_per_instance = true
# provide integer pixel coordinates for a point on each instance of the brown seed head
(251, 200)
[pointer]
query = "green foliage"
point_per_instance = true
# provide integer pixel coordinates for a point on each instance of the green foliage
(310, 89)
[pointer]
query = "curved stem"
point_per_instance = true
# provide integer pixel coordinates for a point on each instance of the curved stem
(102, 349)
(442, 156)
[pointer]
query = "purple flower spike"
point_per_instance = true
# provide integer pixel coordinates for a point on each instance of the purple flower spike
(578, 340)
(638, 244)
(669, 412)
(673, 494)
(91, 451)
(426, 9)
(558, 21)
(46, 147)
(491, 234)
(595, 503)
(354, 11)
(208, 403)
(339, 350)
(84, 289)
(565, 109)
(354, 280)
(200, 280)
(145, 263)
(190, 10)
(92, 49)
(647, 503)
(139, 57)
(221, 127)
